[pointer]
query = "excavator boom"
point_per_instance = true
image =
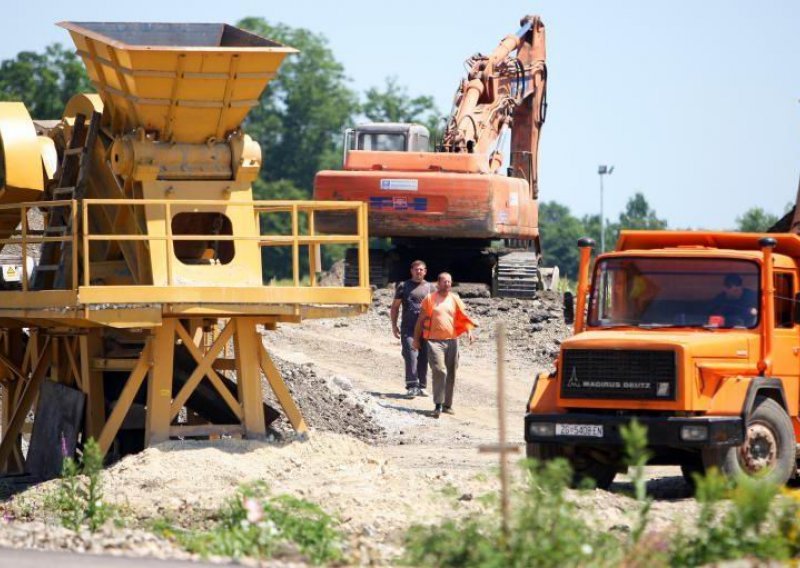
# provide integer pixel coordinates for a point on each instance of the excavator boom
(504, 90)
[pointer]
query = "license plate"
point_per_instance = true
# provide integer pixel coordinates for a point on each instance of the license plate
(590, 430)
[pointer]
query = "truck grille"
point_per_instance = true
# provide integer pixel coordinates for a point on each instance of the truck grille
(618, 374)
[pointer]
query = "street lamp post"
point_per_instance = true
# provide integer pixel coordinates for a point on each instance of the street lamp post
(603, 170)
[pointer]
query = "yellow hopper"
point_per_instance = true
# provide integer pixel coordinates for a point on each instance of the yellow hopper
(188, 82)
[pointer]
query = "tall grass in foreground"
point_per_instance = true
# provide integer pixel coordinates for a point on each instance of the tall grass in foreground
(78, 497)
(741, 518)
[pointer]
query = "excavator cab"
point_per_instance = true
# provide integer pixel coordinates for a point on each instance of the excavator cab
(386, 137)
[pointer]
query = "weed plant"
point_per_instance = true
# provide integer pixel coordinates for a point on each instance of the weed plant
(544, 530)
(756, 522)
(746, 518)
(252, 524)
(634, 436)
(78, 498)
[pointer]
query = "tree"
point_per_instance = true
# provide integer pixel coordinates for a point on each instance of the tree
(636, 215)
(394, 104)
(560, 232)
(43, 81)
(276, 262)
(591, 229)
(755, 220)
(303, 111)
(639, 215)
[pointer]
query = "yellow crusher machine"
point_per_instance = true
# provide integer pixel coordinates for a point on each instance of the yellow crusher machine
(135, 310)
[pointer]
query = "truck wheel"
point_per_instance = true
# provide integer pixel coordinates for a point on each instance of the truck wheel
(585, 464)
(769, 448)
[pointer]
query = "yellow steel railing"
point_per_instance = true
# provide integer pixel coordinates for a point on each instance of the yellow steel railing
(25, 237)
(30, 237)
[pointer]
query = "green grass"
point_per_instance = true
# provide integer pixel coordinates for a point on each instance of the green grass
(253, 524)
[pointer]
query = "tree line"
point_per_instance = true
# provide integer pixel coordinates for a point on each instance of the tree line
(560, 229)
(299, 124)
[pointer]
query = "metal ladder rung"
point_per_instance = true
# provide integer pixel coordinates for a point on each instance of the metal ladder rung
(73, 151)
(67, 189)
(48, 267)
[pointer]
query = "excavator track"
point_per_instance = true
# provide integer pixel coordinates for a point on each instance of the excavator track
(517, 275)
(378, 275)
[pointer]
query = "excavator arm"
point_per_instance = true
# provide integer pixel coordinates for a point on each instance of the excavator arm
(505, 90)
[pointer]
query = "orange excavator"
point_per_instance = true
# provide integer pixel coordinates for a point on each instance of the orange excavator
(457, 208)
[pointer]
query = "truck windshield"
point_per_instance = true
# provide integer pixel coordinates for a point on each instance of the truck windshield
(675, 292)
(382, 141)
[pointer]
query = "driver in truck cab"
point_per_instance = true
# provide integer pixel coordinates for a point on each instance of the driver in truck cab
(735, 305)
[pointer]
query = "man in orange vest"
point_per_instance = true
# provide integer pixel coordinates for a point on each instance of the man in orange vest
(442, 320)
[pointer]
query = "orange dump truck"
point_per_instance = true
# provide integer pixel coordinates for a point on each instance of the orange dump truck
(695, 335)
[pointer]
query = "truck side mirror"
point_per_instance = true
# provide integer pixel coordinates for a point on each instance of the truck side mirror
(796, 310)
(569, 308)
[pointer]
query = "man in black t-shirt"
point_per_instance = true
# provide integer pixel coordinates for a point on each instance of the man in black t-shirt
(409, 296)
(737, 304)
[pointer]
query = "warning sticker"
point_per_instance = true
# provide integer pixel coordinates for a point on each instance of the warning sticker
(11, 273)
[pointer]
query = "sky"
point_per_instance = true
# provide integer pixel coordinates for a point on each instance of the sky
(696, 104)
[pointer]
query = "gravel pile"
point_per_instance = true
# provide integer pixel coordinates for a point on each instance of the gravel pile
(327, 403)
(534, 328)
(108, 540)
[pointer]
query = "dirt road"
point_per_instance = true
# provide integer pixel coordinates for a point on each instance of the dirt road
(444, 451)
(374, 458)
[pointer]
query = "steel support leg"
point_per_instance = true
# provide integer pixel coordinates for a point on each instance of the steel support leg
(159, 387)
(246, 345)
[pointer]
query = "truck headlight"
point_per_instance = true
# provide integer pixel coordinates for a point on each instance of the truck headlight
(544, 429)
(694, 433)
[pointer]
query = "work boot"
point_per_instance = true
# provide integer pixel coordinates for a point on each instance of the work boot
(448, 410)
(437, 410)
(411, 392)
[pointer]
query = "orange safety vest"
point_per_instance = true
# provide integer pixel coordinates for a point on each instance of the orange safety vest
(462, 322)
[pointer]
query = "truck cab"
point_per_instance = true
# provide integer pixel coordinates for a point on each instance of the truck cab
(695, 335)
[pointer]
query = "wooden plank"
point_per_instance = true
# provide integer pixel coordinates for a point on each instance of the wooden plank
(59, 414)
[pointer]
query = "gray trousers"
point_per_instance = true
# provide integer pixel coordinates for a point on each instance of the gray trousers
(416, 361)
(443, 357)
